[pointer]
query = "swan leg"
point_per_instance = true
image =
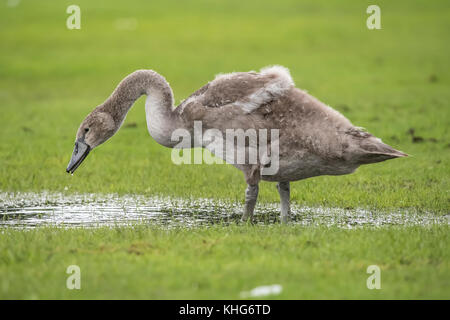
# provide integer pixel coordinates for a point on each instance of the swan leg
(284, 190)
(251, 195)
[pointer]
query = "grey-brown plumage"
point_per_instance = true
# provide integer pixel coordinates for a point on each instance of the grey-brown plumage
(313, 138)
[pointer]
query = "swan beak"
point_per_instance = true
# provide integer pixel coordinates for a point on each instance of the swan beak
(80, 152)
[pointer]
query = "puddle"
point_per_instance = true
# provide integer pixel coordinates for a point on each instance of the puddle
(29, 210)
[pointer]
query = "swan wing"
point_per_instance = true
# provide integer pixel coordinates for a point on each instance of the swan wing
(245, 90)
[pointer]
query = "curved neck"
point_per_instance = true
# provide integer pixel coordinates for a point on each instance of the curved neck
(161, 120)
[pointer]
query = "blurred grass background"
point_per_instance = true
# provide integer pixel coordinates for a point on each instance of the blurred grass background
(392, 81)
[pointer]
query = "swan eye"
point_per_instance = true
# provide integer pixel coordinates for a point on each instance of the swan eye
(86, 129)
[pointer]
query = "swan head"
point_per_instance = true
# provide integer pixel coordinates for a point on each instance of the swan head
(95, 129)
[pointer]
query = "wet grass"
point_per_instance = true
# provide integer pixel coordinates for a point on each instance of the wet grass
(30, 210)
(216, 262)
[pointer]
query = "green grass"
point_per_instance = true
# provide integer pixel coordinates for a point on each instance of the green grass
(51, 77)
(388, 81)
(219, 263)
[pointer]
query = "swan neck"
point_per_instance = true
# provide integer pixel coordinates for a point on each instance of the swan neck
(159, 108)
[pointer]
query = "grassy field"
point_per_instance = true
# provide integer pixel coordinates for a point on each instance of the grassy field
(141, 262)
(394, 82)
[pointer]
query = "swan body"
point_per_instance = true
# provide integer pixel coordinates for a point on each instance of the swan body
(313, 139)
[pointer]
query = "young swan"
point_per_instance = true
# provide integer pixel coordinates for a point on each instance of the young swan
(313, 138)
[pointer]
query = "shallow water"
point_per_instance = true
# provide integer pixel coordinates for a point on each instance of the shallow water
(29, 210)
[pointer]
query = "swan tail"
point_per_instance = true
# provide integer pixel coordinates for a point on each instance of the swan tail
(374, 150)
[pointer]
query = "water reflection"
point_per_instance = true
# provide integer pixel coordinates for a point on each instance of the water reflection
(28, 210)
